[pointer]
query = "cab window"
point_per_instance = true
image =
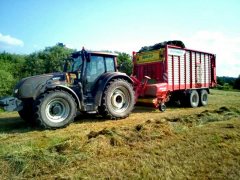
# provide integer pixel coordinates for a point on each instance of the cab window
(95, 68)
(109, 64)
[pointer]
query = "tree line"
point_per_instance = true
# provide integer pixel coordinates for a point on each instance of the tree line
(14, 67)
(228, 83)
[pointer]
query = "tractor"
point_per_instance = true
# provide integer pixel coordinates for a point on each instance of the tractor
(90, 83)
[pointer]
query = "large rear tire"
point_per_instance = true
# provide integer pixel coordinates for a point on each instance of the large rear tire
(203, 97)
(193, 99)
(55, 109)
(118, 100)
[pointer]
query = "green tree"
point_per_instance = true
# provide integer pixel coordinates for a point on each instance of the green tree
(34, 65)
(10, 71)
(12, 63)
(51, 59)
(125, 63)
(6, 83)
(220, 81)
(14, 67)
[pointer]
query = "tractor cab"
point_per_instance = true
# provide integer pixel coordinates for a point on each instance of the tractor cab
(88, 73)
(88, 67)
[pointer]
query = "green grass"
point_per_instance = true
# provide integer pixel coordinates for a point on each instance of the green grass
(181, 143)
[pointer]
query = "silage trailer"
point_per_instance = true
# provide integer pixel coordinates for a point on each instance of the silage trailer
(169, 70)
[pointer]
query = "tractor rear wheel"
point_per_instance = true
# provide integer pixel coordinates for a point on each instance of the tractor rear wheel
(194, 99)
(118, 99)
(55, 109)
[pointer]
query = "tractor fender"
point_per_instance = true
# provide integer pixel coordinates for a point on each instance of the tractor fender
(103, 81)
(64, 88)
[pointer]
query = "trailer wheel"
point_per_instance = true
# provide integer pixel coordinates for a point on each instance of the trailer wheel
(55, 109)
(118, 100)
(203, 97)
(194, 99)
(27, 112)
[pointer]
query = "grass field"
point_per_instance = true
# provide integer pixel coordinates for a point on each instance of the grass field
(181, 143)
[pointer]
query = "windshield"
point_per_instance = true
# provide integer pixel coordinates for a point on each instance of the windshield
(77, 64)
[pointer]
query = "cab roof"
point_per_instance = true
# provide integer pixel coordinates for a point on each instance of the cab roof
(95, 52)
(102, 53)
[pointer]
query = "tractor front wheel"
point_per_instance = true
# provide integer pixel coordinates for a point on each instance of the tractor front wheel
(55, 109)
(27, 112)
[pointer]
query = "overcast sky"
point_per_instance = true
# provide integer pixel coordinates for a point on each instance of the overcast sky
(124, 25)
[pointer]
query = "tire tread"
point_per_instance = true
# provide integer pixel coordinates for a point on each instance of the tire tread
(103, 110)
(40, 122)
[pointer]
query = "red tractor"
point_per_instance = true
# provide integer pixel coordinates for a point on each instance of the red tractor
(91, 83)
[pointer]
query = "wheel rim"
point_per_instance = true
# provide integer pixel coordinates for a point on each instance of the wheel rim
(195, 100)
(57, 110)
(162, 107)
(120, 99)
(204, 97)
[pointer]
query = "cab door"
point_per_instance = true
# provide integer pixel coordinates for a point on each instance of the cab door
(94, 68)
(97, 66)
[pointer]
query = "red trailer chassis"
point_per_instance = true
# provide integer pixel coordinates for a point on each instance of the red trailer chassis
(172, 70)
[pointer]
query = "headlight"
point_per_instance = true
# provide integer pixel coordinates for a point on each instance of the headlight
(15, 91)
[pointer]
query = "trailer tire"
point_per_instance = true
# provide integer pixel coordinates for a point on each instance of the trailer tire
(118, 100)
(27, 112)
(55, 109)
(193, 99)
(203, 97)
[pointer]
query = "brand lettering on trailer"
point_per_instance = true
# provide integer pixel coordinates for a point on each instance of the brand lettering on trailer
(176, 52)
(149, 57)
